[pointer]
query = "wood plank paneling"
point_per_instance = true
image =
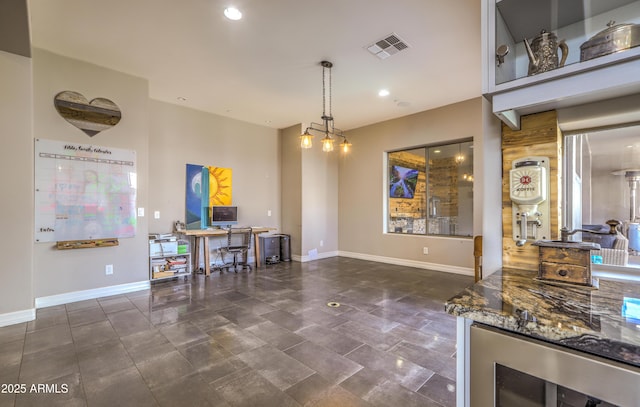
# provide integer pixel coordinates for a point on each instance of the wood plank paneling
(539, 135)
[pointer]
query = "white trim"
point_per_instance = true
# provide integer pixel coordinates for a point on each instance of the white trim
(74, 296)
(324, 255)
(463, 336)
(467, 271)
(390, 260)
(11, 318)
(442, 237)
(611, 272)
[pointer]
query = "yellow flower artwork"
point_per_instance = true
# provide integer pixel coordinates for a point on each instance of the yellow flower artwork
(219, 186)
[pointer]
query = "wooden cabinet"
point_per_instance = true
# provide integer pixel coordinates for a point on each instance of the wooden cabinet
(507, 23)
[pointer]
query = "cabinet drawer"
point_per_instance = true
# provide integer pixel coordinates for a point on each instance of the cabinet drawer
(568, 273)
(565, 256)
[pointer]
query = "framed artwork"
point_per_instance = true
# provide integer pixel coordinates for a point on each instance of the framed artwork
(402, 182)
(205, 187)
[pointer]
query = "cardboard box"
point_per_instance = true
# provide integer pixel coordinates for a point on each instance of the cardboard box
(161, 274)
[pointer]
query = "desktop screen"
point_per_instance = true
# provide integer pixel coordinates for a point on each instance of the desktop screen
(224, 215)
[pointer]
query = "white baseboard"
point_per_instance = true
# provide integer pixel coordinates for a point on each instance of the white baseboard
(17, 317)
(75, 296)
(317, 256)
(467, 271)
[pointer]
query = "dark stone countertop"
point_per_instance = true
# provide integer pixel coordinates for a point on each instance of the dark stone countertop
(582, 318)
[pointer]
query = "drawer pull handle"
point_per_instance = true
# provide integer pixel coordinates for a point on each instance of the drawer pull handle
(562, 272)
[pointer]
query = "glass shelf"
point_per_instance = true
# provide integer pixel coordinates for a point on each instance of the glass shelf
(574, 21)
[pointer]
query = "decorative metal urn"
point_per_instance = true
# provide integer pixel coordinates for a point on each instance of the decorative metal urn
(543, 53)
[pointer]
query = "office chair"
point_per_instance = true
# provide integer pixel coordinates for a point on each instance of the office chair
(238, 243)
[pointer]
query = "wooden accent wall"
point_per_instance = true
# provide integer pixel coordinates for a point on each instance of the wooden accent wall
(443, 184)
(539, 135)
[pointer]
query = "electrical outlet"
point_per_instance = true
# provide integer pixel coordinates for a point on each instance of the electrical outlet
(141, 212)
(425, 250)
(321, 243)
(156, 215)
(269, 212)
(108, 269)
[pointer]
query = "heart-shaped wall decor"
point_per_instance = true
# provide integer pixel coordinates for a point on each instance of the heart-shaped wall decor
(91, 117)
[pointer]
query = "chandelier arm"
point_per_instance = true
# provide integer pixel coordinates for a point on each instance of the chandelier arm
(320, 127)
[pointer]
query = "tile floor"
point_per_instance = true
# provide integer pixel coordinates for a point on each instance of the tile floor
(264, 338)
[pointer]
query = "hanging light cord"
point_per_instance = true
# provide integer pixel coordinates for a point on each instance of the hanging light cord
(327, 126)
(330, 92)
(326, 118)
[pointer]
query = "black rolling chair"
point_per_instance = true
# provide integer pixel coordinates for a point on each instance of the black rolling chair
(238, 243)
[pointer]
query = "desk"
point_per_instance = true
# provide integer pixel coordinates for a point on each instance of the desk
(202, 238)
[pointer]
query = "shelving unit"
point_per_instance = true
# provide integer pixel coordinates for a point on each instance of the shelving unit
(514, 93)
(168, 258)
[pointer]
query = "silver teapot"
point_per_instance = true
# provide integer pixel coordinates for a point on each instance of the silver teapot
(543, 52)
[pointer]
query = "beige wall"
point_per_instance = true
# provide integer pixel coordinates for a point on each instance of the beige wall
(64, 271)
(291, 167)
(16, 172)
(363, 186)
(319, 201)
(180, 136)
(487, 189)
(309, 196)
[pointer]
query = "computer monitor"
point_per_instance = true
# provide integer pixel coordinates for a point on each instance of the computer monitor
(223, 215)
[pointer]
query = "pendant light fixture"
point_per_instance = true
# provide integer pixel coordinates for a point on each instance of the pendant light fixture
(326, 127)
(459, 158)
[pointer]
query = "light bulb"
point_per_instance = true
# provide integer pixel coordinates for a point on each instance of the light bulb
(327, 144)
(305, 140)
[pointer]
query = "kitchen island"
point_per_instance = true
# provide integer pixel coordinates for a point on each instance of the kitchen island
(601, 324)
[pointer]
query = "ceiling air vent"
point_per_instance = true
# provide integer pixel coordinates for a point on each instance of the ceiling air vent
(387, 46)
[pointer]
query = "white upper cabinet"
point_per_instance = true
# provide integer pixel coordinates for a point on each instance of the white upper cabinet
(521, 79)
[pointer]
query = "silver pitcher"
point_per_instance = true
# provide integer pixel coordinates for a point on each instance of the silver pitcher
(543, 52)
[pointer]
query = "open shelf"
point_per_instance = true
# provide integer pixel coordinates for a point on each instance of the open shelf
(514, 92)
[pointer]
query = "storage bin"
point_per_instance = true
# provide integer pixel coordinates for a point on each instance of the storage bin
(183, 247)
(157, 248)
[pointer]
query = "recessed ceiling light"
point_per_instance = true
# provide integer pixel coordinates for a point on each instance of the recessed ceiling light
(436, 151)
(383, 93)
(232, 13)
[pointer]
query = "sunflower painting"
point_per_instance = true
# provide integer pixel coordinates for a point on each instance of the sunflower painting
(219, 186)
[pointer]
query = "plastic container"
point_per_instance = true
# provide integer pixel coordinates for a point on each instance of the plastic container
(183, 247)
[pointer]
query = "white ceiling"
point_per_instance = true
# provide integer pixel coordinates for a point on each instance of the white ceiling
(264, 69)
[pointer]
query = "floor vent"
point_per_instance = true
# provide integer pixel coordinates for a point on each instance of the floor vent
(387, 46)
